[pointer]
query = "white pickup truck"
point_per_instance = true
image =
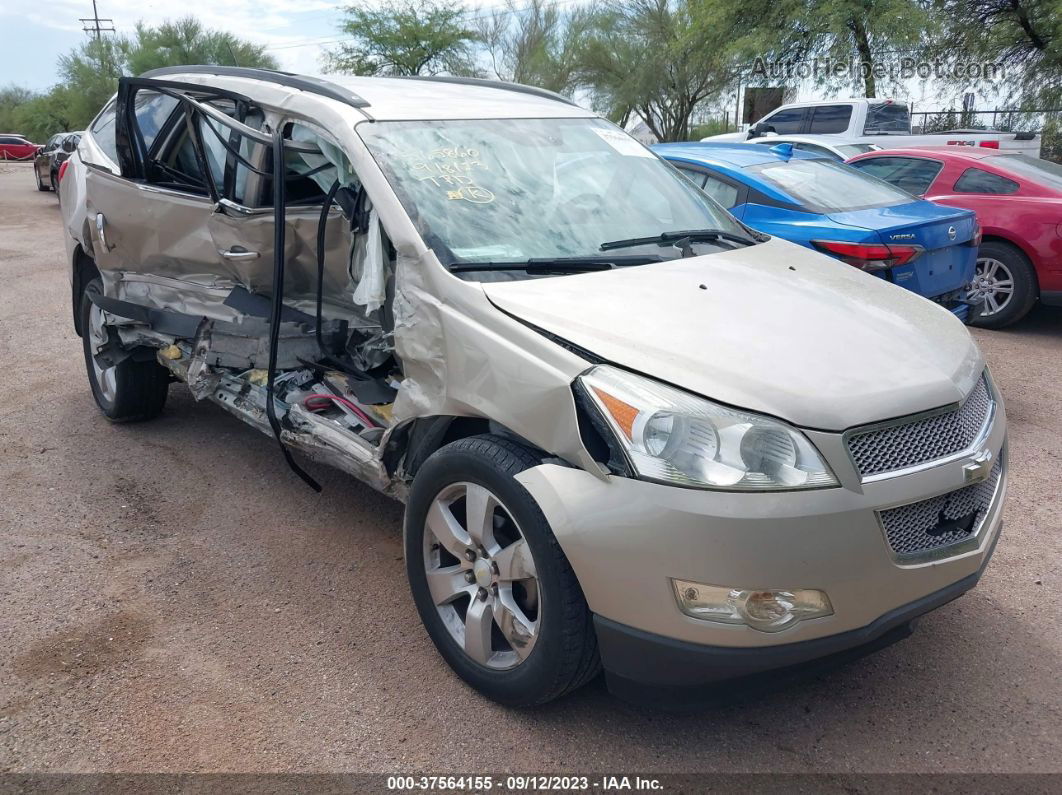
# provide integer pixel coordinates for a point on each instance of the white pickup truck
(877, 121)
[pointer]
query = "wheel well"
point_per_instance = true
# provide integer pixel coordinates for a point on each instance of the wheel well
(85, 271)
(412, 444)
(1015, 245)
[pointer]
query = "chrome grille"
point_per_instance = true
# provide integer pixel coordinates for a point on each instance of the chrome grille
(930, 525)
(902, 445)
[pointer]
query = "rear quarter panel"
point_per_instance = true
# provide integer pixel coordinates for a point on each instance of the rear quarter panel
(1032, 224)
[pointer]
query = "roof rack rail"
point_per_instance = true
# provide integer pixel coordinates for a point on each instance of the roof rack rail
(519, 88)
(312, 85)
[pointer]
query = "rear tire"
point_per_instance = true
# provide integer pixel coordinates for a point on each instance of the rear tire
(503, 607)
(131, 390)
(40, 185)
(1006, 280)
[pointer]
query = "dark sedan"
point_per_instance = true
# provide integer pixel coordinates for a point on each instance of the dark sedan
(48, 158)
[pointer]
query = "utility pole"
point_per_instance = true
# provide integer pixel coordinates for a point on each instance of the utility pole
(92, 24)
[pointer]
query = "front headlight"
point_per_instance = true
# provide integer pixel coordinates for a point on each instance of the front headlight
(675, 437)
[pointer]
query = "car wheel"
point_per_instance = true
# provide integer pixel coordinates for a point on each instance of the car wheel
(1006, 282)
(40, 185)
(54, 178)
(129, 391)
(492, 586)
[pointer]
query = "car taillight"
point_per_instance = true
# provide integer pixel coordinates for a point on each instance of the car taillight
(62, 169)
(990, 144)
(976, 239)
(869, 256)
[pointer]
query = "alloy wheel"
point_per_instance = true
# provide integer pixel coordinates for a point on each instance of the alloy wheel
(993, 283)
(481, 576)
(99, 337)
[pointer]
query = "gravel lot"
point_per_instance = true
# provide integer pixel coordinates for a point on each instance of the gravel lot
(173, 599)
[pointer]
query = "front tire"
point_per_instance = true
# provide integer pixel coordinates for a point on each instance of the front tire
(40, 185)
(1006, 281)
(131, 390)
(492, 586)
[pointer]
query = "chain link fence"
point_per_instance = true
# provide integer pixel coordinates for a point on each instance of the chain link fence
(1047, 122)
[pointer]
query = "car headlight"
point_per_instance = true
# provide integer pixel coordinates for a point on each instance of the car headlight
(675, 437)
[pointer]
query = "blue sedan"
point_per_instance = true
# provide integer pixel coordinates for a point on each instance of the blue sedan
(863, 221)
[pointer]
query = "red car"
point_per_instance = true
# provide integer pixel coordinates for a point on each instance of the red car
(15, 147)
(1018, 201)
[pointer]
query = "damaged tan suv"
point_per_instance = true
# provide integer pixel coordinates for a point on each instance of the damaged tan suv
(630, 432)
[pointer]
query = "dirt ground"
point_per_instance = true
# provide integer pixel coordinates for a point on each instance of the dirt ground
(173, 599)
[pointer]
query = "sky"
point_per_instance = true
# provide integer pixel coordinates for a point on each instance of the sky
(33, 34)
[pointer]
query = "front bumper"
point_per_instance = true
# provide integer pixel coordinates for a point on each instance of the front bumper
(626, 539)
(650, 668)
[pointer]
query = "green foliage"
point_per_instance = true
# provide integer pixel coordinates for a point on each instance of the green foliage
(872, 32)
(539, 44)
(186, 41)
(406, 37)
(654, 58)
(1025, 36)
(12, 98)
(710, 127)
(89, 73)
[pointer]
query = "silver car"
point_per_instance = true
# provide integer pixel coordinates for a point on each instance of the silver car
(630, 433)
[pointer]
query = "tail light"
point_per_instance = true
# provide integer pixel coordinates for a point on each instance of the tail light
(975, 241)
(62, 169)
(869, 256)
(990, 144)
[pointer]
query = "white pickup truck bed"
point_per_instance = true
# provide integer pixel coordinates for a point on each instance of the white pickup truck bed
(882, 122)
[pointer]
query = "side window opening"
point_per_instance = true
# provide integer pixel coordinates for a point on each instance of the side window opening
(722, 192)
(308, 176)
(103, 131)
(974, 180)
(696, 177)
(786, 122)
(827, 119)
(912, 174)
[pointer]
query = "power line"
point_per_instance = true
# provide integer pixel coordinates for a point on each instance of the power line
(92, 24)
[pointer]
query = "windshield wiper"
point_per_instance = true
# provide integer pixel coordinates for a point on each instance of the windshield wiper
(558, 264)
(690, 235)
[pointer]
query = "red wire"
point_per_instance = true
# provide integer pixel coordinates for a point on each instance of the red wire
(318, 396)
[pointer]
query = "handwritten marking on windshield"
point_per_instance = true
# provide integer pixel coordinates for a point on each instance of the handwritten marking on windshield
(449, 168)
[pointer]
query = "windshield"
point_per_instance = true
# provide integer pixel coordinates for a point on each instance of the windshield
(825, 185)
(1043, 171)
(510, 190)
(889, 117)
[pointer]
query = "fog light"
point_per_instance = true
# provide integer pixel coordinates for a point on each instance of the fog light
(765, 610)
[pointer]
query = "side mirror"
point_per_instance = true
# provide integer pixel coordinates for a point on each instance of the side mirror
(761, 129)
(69, 145)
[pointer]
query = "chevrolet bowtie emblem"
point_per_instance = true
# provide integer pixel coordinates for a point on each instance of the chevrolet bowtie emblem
(977, 468)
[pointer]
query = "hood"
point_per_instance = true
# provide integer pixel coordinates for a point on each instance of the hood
(774, 328)
(928, 223)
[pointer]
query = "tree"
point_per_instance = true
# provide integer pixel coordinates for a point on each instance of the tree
(89, 73)
(88, 76)
(1024, 36)
(12, 98)
(537, 45)
(186, 41)
(406, 37)
(868, 32)
(648, 57)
